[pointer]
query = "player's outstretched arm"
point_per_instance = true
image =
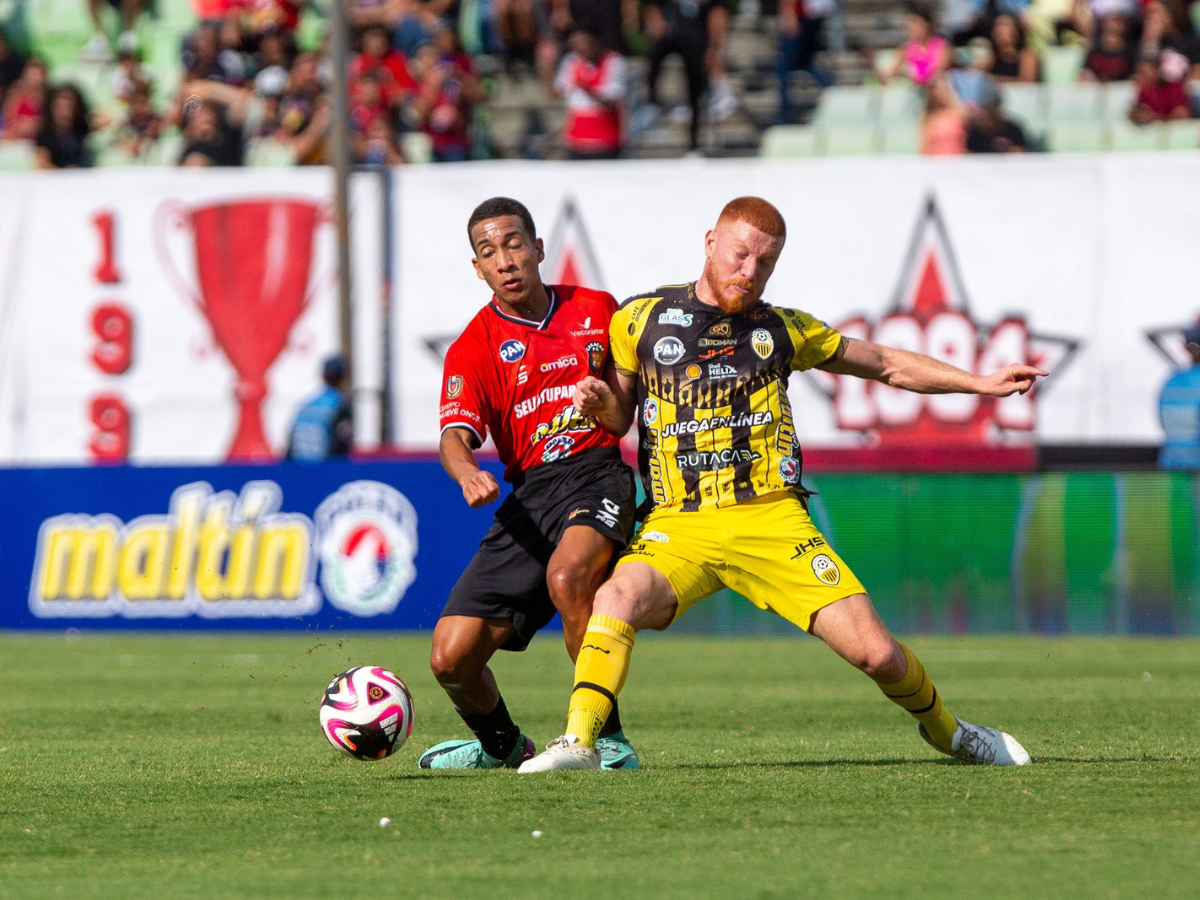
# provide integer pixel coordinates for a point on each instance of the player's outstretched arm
(925, 375)
(609, 400)
(457, 452)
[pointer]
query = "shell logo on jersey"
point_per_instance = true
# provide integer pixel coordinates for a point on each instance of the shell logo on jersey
(826, 569)
(762, 342)
(650, 411)
(512, 350)
(595, 352)
(454, 386)
(668, 350)
(693, 371)
(367, 541)
(213, 555)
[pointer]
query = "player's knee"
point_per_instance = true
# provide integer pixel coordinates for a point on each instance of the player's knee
(616, 599)
(571, 591)
(883, 660)
(448, 668)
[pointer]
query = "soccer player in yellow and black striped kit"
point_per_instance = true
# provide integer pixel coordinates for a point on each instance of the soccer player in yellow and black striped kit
(707, 365)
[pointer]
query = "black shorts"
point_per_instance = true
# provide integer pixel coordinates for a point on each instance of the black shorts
(506, 579)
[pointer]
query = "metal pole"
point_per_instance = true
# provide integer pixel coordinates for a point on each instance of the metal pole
(339, 144)
(387, 427)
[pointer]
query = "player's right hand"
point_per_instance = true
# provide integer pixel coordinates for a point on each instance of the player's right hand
(590, 395)
(480, 489)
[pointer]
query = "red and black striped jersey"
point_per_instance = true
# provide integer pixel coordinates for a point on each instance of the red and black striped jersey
(514, 379)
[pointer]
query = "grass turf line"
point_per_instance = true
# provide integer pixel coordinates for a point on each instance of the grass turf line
(151, 766)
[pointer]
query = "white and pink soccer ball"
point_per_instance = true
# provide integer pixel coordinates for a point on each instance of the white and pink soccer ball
(367, 712)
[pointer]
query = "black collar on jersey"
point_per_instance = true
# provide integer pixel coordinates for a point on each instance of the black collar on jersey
(540, 326)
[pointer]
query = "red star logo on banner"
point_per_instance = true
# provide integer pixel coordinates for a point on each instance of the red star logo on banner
(930, 314)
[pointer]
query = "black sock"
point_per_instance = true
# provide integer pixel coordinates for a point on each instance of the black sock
(496, 730)
(613, 723)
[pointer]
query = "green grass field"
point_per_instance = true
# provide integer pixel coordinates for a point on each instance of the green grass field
(183, 766)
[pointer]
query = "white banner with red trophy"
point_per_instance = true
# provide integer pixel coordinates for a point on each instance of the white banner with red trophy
(1083, 265)
(169, 315)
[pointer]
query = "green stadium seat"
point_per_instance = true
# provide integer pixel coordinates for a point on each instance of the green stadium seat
(417, 146)
(17, 156)
(901, 139)
(1078, 102)
(851, 140)
(1184, 135)
(1130, 138)
(1076, 137)
(1024, 103)
(778, 142)
(1061, 65)
(847, 105)
(113, 157)
(1117, 97)
(899, 103)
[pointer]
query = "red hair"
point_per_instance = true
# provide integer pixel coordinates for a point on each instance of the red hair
(757, 212)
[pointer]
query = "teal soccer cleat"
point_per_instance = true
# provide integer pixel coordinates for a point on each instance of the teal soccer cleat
(464, 754)
(616, 752)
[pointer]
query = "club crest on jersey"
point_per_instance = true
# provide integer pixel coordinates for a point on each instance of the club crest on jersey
(595, 352)
(454, 386)
(668, 350)
(650, 411)
(826, 569)
(789, 470)
(674, 317)
(512, 350)
(762, 342)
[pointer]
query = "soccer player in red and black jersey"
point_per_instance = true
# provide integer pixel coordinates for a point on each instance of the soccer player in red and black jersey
(511, 374)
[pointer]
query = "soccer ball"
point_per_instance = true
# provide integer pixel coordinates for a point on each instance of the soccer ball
(367, 712)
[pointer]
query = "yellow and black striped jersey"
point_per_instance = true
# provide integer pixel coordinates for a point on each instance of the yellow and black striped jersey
(715, 422)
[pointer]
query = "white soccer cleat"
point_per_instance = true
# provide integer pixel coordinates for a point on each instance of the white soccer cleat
(985, 746)
(560, 754)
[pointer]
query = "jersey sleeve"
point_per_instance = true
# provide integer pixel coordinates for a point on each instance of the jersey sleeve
(813, 341)
(625, 331)
(465, 391)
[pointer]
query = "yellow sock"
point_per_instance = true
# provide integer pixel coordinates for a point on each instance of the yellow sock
(916, 693)
(600, 672)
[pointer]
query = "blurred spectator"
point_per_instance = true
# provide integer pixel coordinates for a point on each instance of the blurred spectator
(963, 20)
(273, 16)
(62, 138)
(376, 144)
(447, 91)
(233, 49)
(204, 58)
(592, 81)
(926, 54)
(1012, 57)
(25, 102)
(1179, 411)
(389, 66)
(990, 131)
(324, 426)
(210, 115)
(304, 112)
(415, 22)
(128, 74)
(611, 20)
(1161, 95)
(368, 101)
(97, 49)
(142, 125)
(214, 11)
(683, 27)
(944, 124)
(1168, 26)
(1112, 52)
(519, 29)
(722, 101)
(12, 63)
(801, 37)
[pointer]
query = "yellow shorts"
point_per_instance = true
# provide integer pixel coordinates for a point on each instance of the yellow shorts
(766, 549)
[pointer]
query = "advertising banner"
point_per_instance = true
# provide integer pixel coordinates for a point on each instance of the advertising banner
(174, 316)
(336, 545)
(1049, 260)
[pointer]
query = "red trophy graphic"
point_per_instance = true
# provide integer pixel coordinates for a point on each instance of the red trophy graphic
(253, 261)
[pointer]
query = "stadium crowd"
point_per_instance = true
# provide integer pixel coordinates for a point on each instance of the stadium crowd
(251, 87)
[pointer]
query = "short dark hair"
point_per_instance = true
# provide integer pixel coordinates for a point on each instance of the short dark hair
(496, 207)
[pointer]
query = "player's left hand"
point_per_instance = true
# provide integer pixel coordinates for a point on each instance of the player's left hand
(1014, 379)
(591, 395)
